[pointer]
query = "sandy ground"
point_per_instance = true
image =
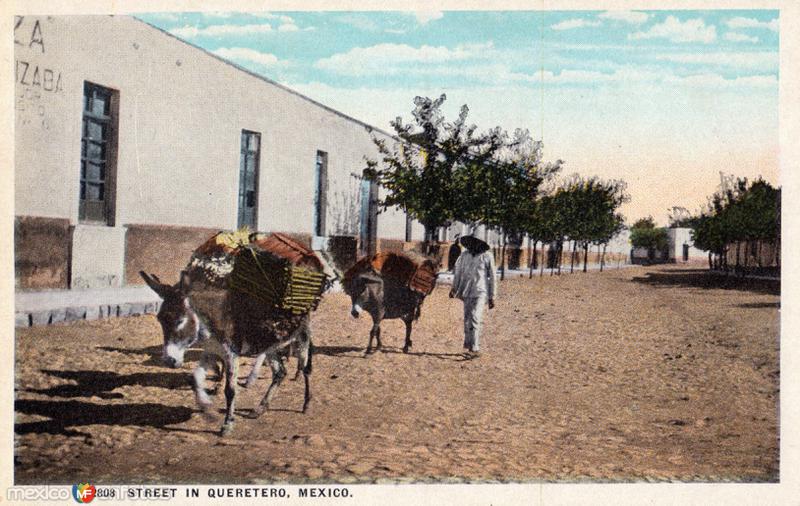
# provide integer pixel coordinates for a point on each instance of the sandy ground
(637, 374)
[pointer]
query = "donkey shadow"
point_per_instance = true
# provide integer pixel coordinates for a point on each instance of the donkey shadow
(65, 415)
(103, 383)
(153, 354)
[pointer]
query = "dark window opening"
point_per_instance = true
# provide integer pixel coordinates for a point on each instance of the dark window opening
(321, 192)
(248, 179)
(98, 154)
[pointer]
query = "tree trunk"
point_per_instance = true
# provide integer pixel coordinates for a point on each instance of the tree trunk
(758, 254)
(585, 255)
(603, 257)
(572, 259)
(503, 258)
(429, 240)
(710, 262)
(531, 259)
(736, 267)
(541, 264)
(560, 255)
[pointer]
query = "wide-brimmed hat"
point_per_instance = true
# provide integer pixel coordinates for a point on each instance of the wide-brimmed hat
(474, 245)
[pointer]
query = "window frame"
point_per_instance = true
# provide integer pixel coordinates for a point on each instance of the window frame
(243, 194)
(320, 192)
(102, 210)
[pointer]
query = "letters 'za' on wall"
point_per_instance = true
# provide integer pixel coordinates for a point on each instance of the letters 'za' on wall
(34, 77)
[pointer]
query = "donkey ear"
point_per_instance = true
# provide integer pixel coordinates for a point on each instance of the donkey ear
(184, 284)
(155, 284)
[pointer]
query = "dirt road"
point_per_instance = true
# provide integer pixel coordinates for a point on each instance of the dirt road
(636, 374)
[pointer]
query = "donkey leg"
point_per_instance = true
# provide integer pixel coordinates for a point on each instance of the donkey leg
(378, 344)
(207, 361)
(306, 375)
(302, 350)
(231, 375)
(278, 373)
(408, 336)
(371, 336)
(253, 377)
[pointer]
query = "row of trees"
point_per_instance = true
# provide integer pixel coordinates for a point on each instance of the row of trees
(748, 213)
(440, 172)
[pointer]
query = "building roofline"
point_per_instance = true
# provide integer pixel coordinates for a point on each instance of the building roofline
(367, 126)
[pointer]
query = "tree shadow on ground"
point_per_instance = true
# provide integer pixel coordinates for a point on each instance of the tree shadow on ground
(703, 278)
(154, 353)
(67, 414)
(102, 383)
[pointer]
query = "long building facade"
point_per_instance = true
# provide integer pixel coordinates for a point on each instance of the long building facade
(132, 147)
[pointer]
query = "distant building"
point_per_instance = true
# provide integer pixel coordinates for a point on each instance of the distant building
(680, 249)
(681, 246)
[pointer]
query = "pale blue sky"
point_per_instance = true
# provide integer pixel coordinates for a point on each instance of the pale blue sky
(662, 99)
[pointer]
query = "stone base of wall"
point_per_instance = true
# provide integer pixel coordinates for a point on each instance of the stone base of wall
(161, 250)
(41, 253)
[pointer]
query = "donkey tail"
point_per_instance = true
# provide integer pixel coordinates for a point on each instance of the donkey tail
(308, 367)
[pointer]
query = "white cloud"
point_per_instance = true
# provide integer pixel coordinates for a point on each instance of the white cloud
(216, 14)
(755, 60)
(425, 17)
(740, 22)
(739, 37)
(268, 15)
(359, 21)
(288, 27)
(570, 24)
(717, 81)
(383, 57)
(691, 30)
(249, 55)
(633, 17)
(220, 30)
(395, 31)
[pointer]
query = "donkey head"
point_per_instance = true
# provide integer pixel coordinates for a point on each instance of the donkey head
(365, 290)
(179, 322)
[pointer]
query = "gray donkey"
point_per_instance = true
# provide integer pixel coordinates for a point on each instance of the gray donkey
(384, 298)
(229, 325)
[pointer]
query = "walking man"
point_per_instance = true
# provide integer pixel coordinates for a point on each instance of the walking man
(474, 283)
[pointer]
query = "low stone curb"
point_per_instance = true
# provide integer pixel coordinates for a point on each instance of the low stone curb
(78, 313)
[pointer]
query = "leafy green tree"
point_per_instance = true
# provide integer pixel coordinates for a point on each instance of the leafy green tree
(501, 192)
(748, 214)
(420, 170)
(645, 234)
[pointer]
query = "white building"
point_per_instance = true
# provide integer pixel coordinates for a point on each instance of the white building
(681, 247)
(132, 147)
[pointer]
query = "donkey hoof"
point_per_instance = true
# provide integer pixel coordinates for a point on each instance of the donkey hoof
(370, 351)
(227, 429)
(259, 410)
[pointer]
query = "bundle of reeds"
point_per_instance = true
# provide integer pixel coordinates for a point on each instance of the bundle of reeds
(275, 281)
